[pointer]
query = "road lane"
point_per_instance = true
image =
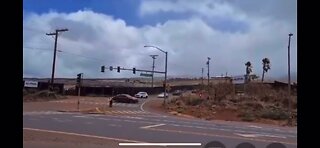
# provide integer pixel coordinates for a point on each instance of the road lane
(131, 129)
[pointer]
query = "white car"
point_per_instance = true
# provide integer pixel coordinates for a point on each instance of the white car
(162, 95)
(141, 95)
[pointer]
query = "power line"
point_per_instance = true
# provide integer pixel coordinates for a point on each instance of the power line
(95, 59)
(33, 30)
(36, 48)
(47, 49)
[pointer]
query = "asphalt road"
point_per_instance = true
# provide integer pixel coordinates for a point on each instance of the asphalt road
(139, 125)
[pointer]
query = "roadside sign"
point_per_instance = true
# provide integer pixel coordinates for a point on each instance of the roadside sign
(238, 79)
(145, 74)
(31, 84)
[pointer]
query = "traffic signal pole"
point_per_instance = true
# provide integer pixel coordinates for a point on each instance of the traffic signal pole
(79, 80)
(134, 70)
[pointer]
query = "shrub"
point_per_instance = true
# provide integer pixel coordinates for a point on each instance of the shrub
(222, 90)
(259, 89)
(193, 101)
(276, 114)
(180, 109)
(247, 116)
(253, 105)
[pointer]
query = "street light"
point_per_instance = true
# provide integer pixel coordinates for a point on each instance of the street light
(289, 82)
(165, 74)
(153, 58)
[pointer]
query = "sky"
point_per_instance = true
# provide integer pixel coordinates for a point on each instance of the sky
(114, 32)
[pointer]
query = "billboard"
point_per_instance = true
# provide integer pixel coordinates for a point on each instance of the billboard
(31, 84)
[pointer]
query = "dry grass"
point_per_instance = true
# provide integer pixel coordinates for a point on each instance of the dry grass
(259, 101)
(43, 95)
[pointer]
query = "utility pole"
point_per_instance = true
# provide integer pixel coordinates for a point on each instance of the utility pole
(289, 84)
(202, 76)
(208, 63)
(153, 58)
(54, 54)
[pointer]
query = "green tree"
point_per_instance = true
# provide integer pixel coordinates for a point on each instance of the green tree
(248, 70)
(265, 67)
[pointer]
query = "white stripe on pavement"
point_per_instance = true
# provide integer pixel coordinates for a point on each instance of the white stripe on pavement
(150, 126)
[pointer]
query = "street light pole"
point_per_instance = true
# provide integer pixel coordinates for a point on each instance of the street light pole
(165, 74)
(289, 83)
(153, 58)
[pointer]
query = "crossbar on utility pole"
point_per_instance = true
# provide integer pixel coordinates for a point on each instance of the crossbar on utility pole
(54, 54)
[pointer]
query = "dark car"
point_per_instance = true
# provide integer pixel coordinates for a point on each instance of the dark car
(124, 98)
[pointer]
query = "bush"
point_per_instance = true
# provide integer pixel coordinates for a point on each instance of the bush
(247, 116)
(253, 105)
(259, 89)
(180, 109)
(222, 90)
(276, 114)
(193, 101)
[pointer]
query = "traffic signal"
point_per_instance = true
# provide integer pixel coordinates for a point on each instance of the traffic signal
(79, 78)
(134, 70)
(110, 68)
(102, 68)
(118, 69)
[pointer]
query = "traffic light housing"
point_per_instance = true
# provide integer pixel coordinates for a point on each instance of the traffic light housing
(78, 78)
(118, 70)
(134, 70)
(110, 68)
(102, 68)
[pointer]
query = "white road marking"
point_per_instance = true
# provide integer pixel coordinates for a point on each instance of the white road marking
(150, 126)
(82, 135)
(269, 135)
(246, 135)
(254, 126)
(114, 125)
(82, 116)
(132, 117)
(159, 144)
(259, 135)
(141, 106)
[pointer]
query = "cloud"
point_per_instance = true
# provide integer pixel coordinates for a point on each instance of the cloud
(204, 7)
(96, 39)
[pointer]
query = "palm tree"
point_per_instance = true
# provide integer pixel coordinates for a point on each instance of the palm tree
(248, 70)
(266, 66)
